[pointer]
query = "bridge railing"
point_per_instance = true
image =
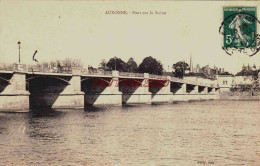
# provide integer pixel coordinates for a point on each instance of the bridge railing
(68, 70)
(7, 67)
(204, 84)
(191, 82)
(63, 69)
(157, 76)
(126, 74)
(175, 79)
(200, 83)
(213, 85)
(98, 72)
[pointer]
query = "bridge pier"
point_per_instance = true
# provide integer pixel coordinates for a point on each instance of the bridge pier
(72, 96)
(192, 93)
(210, 93)
(217, 93)
(213, 93)
(203, 93)
(105, 92)
(137, 92)
(13, 94)
(161, 90)
(179, 91)
(52, 92)
(203, 90)
(196, 90)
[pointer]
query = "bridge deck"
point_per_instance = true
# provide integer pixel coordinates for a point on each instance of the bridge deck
(123, 75)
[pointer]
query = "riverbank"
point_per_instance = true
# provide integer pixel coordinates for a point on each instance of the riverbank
(240, 95)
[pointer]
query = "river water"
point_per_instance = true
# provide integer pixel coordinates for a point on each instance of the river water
(196, 133)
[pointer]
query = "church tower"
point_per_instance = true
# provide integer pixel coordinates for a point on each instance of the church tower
(191, 65)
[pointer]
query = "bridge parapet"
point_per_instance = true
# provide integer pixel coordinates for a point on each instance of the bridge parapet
(6, 67)
(175, 79)
(157, 76)
(76, 71)
(191, 82)
(48, 69)
(107, 73)
(126, 74)
(13, 67)
(70, 70)
(19, 67)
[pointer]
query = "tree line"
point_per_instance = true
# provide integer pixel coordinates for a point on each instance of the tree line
(148, 65)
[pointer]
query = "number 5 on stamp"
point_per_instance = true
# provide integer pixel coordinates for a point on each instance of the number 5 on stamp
(240, 27)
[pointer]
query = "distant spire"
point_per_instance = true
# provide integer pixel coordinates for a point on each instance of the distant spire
(191, 64)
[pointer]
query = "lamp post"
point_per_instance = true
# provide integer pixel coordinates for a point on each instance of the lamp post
(183, 68)
(19, 46)
(115, 63)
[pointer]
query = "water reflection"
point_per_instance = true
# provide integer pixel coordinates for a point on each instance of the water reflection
(40, 126)
(209, 132)
(45, 112)
(95, 109)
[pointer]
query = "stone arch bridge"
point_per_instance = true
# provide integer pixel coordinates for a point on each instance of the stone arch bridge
(22, 90)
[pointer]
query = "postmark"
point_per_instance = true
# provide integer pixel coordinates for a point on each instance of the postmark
(239, 30)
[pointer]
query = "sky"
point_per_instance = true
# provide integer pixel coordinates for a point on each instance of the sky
(82, 30)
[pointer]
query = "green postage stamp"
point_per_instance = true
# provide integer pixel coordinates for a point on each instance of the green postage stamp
(240, 27)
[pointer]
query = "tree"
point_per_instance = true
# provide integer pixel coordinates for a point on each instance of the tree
(103, 65)
(91, 69)
(249, 72)
(180, 68)
(131, 65)
(150, 65)
(116, 64)
(77, 63)
(45, 64)
(53, 64)
(245, 72)
(67, 62)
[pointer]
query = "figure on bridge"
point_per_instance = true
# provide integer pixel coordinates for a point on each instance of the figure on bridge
(34, 56)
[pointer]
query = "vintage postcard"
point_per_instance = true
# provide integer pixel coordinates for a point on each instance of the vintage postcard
(129, 83)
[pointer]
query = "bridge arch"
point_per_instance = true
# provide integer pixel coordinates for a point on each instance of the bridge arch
(140, 82)
(8, 81)
(57, 78)
(162, 83)
(108, 82)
